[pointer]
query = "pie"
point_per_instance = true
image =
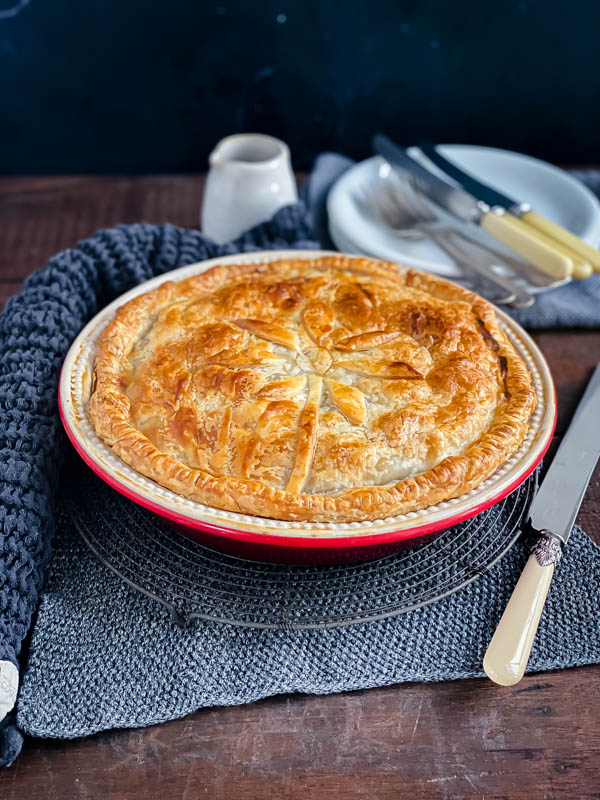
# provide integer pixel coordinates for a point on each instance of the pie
(329, 389)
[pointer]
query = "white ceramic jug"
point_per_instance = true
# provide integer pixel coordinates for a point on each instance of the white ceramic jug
(250, 178)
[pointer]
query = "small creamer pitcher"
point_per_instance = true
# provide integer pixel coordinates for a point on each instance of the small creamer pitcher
(250, 178)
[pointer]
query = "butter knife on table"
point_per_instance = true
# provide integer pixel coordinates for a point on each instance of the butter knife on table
(552, 515)
(508, 229)
(581, 252)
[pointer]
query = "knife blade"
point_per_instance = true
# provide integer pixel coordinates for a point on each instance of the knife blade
(557, 502)
(521, 238)
(552, 514)
(457, 201)
(583, 253)
(469, 182)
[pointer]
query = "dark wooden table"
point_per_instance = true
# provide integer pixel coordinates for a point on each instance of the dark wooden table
(462, 739)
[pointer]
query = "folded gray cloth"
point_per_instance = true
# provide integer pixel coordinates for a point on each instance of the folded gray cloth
(576, 305)
(104, 656)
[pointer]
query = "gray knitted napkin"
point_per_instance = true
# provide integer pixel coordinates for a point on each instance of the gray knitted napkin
(102, 655)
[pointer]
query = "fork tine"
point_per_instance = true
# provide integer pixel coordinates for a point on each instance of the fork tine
(394, 201)
(410, 198)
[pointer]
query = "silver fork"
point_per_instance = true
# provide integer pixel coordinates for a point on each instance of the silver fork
(402, 210)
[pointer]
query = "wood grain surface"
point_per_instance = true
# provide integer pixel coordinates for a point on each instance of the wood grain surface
(461, 739)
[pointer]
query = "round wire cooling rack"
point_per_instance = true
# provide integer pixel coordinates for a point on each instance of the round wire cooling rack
(193, 581)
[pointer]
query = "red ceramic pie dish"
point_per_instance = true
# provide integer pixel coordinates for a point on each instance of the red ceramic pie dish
(282, 541)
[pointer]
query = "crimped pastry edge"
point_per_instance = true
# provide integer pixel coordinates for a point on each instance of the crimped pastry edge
(452, 477)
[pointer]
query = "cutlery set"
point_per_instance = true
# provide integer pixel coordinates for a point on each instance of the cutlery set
(409, 216)
(585, 258)
(548, 254)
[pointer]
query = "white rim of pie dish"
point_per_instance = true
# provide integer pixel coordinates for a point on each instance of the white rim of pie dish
(74, 391)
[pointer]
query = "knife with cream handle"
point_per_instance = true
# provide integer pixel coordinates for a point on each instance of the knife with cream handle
(585, 251)
(552, 515)
(505, 226)
(521, 238)
(584, 255)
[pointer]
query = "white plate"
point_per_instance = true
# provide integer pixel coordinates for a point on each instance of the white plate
(74, 392)
(550, 190)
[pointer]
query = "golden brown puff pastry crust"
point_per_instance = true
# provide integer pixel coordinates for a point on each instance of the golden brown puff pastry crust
(329, 389)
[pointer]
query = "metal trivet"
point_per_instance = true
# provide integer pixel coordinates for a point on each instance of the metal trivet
(193, 581)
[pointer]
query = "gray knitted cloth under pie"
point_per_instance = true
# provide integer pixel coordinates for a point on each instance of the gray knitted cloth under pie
(224, 665)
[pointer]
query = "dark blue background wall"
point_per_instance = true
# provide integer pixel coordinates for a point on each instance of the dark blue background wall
(150, 85)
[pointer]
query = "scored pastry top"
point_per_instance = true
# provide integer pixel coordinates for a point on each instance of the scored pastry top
(329, 389)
